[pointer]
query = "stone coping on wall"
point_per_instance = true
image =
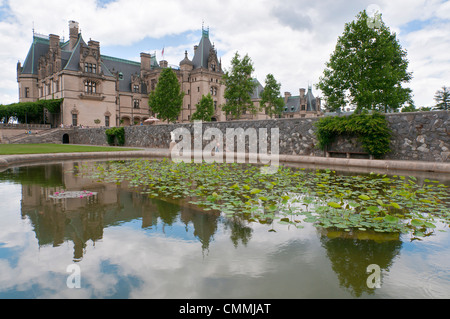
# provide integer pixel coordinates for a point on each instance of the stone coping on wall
(435, 167)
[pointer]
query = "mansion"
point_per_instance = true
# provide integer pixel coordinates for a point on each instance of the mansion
(100, 90)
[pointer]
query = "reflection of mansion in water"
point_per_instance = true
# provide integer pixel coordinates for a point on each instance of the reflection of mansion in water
(80, 220)
(100, 90)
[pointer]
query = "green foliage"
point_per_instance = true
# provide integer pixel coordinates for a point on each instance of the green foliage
(239, 87)
(442, 98)
(409, 108)
(167, 99)
(372, 131)
(115, 133)
(30, 112)
(271, 101)
(205, 109)
(367, 69)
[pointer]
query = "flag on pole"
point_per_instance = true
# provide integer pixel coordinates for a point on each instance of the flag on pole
(163, 52)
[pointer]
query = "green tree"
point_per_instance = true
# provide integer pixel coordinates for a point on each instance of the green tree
(271, 101)
(239, 87)
(167, 99)
(442, 98)
(30, 112)
(205, 109)
(367, 69)
(409, 108)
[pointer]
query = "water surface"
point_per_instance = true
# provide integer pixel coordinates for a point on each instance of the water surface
(128, 245)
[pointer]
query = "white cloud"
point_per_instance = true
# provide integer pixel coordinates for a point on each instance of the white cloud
(291, 39)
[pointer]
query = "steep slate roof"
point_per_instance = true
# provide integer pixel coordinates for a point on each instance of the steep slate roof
(201, 55)
(73, 64)
(256, 94)
(293, 103)
(310, 101)
(125, 67)
(70, 60)
(38, 48)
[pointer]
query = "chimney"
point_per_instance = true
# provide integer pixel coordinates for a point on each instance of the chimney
(94, 44)
(163, 64)
(302, 93)
(195, 48)
(54, 42)
(145, 61)
(73, 34)
(287, 95)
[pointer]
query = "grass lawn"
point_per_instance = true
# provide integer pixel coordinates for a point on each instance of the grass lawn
(13, 149)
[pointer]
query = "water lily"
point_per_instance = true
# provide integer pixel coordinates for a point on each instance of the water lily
(324, 197)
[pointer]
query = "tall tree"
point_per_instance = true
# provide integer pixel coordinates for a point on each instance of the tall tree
(271, 101)
(442, 98)
(239, 87)
(205, 109)
(367, 69)
(167, 99)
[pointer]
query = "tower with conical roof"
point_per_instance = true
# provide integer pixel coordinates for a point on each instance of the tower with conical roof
(198, 77)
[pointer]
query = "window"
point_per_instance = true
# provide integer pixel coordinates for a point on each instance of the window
(136, 88)
(90, 68)
(213, 67)
(107, 121)
(27, 92)
(136, 104)
(213, 91)
(74, 119)
(215, 105)
(198, 89)
(90, 87)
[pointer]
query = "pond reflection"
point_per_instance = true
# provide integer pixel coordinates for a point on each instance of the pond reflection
(131, 246)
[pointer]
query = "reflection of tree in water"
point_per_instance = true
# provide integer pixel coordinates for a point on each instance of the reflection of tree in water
(239, 231)
(350, 258)
(48, 175)
(83, 219)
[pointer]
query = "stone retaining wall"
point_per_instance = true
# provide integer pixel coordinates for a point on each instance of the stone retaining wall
(421, 136)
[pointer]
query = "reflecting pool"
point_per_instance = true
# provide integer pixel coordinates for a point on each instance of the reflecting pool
(126, 244)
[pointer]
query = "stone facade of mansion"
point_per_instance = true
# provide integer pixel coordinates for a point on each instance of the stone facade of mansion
(100, 90)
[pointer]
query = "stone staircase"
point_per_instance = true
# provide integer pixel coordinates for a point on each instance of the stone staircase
(52, 136)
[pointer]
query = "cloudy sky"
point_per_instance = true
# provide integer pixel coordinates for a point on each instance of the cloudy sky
(292, 39)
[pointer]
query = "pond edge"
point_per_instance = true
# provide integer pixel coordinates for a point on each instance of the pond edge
(436, 167)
